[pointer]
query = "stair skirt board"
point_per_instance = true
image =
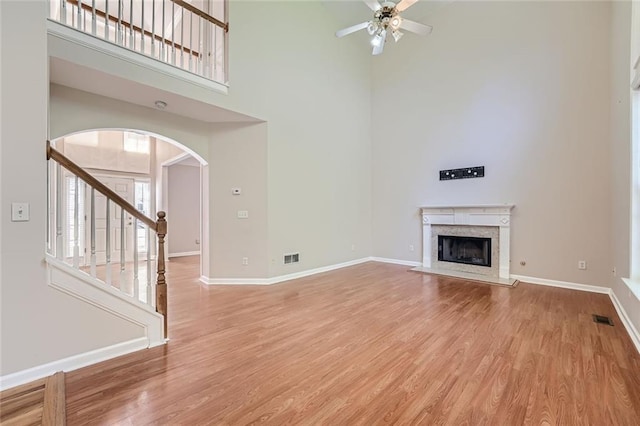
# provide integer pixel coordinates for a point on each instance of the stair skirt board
(81, 286)
(72, 363)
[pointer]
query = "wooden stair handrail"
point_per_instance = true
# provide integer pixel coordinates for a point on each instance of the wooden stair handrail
(65, 162)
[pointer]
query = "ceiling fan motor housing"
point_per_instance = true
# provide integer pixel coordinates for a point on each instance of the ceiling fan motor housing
(387, 16)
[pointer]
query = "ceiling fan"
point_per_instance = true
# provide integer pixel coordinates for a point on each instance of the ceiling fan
(386, 17)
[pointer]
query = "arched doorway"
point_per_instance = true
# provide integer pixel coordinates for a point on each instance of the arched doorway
(130, 162)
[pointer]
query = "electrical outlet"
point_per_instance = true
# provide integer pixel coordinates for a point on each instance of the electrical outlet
(582, 264)
(245, 261)
(411, 248)
(243, 214)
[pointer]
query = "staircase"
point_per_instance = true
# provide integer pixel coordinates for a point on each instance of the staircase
(104, 264)
(41, 402)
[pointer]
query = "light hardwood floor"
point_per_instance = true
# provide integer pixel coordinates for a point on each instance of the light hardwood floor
(370, 344)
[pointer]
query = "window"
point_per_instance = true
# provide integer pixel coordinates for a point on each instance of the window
(134, 142)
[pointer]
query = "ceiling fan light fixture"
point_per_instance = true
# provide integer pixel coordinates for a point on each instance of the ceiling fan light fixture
(397, 35)
(377, 39)
(372, 28)
(395, 22)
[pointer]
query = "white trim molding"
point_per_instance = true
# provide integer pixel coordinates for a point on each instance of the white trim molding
(631, 330)
(281, 278)
(72, 363)
(562, 284)
(184, 253)
(396, 261)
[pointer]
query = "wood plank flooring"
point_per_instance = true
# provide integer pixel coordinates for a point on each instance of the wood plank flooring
(370, 344)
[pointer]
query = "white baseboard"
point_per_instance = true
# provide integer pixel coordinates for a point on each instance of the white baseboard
(280, 278)
(396, 261)
(234, 281)
(633, 332)
(184, 253)
(72, 363)
(562, 284)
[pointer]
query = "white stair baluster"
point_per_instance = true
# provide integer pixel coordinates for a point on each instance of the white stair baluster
(59, 217)
(93, 232)
(108, 244)
(122, 249)
(148, 245)
(76, 223)
(136, 280)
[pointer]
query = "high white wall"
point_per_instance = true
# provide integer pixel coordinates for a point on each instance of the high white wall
(314, 91)
(37, 323)
(184, 209)
(521, 88)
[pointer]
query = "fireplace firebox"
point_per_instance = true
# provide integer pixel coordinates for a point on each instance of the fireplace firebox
(469, 250)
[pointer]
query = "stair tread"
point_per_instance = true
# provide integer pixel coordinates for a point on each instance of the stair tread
(20, 402)
(31, 415)
(20, 390)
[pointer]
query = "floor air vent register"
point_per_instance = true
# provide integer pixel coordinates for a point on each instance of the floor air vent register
(600, 319)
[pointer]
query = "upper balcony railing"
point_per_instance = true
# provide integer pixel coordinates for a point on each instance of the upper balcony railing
(182, 33)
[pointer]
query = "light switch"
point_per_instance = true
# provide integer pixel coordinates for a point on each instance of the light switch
(243, 214)
(19, 212)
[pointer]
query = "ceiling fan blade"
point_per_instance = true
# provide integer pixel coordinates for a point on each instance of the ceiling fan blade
(415, 27)
(404, 5)
(378, 48)
(351, 29)
(374, 4)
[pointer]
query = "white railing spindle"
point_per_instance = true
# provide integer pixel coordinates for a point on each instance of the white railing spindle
(93, 233)
(132, 39)
(94, 23)
(59, 217)
(108, 244)
(76, 223)
(107, 25)
(136, 280)
(122, 249)
(119, 30)
(148, 245)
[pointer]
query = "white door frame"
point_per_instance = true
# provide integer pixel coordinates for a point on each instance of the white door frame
(204, 206)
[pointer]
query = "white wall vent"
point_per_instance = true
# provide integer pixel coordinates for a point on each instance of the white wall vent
(291, 258)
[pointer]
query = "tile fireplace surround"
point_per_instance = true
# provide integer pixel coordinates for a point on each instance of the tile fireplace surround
(481, 220)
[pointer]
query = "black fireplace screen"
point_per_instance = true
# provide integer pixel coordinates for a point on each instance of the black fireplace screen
(469, 250)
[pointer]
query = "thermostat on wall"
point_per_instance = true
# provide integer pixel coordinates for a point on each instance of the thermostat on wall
(236, 191)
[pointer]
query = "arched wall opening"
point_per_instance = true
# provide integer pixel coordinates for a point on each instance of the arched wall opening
(140, 159)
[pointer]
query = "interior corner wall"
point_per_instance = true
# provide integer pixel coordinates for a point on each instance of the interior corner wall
(38, 324)
(521, 88)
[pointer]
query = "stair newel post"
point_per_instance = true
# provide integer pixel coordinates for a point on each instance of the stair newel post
(161, 286)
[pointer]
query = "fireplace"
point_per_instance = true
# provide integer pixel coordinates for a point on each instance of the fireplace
(476, 242)
(468, 250)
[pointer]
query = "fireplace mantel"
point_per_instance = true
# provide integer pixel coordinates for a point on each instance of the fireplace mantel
(497, 215)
